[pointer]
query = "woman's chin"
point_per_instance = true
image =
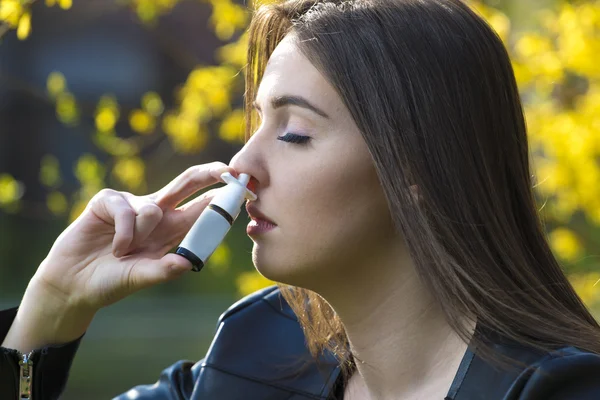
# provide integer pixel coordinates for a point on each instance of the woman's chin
(285, 272)
(275, 272)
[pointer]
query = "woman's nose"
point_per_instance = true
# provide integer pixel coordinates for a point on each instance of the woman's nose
(248, 161)
(238, 161)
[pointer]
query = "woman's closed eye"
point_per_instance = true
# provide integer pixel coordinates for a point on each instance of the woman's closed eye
(294, 138)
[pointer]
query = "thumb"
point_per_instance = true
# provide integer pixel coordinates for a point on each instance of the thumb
(152, 272)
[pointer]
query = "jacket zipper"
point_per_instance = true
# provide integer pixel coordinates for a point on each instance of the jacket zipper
(25, 375)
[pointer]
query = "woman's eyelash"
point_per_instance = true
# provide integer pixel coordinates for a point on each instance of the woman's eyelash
(294, 138)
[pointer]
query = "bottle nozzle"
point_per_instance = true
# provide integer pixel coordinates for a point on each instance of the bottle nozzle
(243, 181)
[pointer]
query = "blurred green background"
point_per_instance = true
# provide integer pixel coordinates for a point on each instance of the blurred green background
(127, 94)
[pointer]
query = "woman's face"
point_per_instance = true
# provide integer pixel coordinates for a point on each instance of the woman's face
(323, 195)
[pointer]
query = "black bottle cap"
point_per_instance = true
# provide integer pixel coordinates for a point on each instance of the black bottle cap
(197, 263)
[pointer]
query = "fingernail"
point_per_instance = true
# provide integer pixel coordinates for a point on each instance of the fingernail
(220, 177)
(223, 169)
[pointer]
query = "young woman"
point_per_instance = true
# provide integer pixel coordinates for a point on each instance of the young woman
(388, 149)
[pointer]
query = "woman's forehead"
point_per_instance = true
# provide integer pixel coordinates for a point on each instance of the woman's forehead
(290, 73)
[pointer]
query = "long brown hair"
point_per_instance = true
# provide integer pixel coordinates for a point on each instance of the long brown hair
(431, 88)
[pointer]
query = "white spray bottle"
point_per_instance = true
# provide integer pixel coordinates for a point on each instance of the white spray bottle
(214, 222)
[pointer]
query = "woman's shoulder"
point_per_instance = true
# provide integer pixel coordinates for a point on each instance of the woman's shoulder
(259, 340)
(258, 352)
(251, 304)
(565, 373)
(570, 355)
(261, 325)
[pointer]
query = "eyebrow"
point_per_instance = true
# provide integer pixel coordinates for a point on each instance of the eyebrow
(281, 101)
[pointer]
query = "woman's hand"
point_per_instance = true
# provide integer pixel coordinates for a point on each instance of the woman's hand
(117, 246)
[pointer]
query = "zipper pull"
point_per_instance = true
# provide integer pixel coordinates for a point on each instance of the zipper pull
(26, 375)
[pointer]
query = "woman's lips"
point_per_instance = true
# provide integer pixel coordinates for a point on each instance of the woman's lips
(258, 226)
(256, 214)
(260, 223)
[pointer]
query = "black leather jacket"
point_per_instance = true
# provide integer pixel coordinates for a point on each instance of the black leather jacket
(259, 353)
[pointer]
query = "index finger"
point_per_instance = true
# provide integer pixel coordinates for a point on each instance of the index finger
(189, 182)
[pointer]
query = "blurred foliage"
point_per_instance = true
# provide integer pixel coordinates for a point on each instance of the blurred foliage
(206, 97)
(556, 68)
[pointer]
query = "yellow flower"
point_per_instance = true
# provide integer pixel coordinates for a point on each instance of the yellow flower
(219, 100)
(11, 190)
(66, 108)
(587, 287)
(578, 40)
(149, 10)
(11, 12)
(65, 4)
(89, 171)
(107, 114)
(194, 106)
(114, 145)
(57, 203)
(56, 83)
(227, 17)
(232, 127)
(497, 20)
(185, 133)
(152, 104)
(50, 171)
(24, 28)
(131, 172)
(566, 245)
(105, 120)
(141, 122)
(234, 53)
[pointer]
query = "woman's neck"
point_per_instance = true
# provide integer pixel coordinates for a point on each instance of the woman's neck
(399, 336)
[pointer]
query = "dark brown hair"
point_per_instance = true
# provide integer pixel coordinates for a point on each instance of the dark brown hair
(431, 88)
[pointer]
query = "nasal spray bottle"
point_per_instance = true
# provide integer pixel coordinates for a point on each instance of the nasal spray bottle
(214, 222)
